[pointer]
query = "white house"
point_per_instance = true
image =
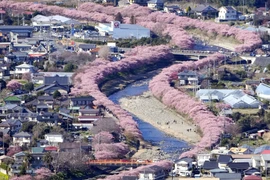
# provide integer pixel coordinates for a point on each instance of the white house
(183, 166)
(155, 4)
(227, 13)
(201, 158)
(54, 138)
(234, 97)
(124, 31)
(261, 162)
(22, 139)
(242, 101)
(152, 173)
(263, 91)
(24, 68)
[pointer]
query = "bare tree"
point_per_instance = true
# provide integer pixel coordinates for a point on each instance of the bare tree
(104, 52)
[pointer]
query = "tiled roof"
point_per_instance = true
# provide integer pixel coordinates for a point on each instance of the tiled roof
(265, 152)
(64, 81)
(51, 148)
(87, 46)
(22, 134)
(37, 150)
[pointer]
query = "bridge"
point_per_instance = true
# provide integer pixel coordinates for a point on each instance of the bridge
(118, 162)
(192, 54)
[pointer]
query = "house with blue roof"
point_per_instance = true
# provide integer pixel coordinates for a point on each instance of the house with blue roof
(263, 91)
(234, 97)
(124, 31)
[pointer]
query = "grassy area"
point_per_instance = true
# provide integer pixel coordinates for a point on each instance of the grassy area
(3, 176)
(23, 82)
(254, 143)
(246, 111)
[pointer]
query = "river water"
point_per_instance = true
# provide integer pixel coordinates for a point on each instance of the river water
(167, 144)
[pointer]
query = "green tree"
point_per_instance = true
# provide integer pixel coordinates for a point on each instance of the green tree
(261, 112)
(23, 169)
(118, 17)
(47, 159)
(69, 67)
(3, 84)
(56, 94)
(244, 123)
(28, 158)
(40, 129)
(40, 93)
(28, 126)
(29, 86)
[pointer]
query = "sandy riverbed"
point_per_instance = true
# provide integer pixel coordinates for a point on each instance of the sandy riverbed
(149, 109)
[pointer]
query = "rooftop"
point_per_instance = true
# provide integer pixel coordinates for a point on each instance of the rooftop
(22, 134)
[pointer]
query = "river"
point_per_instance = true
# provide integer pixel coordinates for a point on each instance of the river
(167, 144)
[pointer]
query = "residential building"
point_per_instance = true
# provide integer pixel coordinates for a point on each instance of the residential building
(239, 150)
(252, 171)
(152, 173)
(252, 83)
(82, 101)
(238, 167)
(227, 13)
(188, 77)
(155, 4)
(261, 162)
(205, 11)
(173, 9)
(89, 112)
(54, 138)
(210, 165)
(228, 176)
(183, 166)
(12, 125)
(37, 153)
(22, 139)
(22, 31)
(74, 147)
(234, 97)
(124, 31)
(24, 68)
(242, 101)
(47, 21)
(140, 2)
(223, 160)
(55, 83)
(201, 158)
(86, 47)
(13, 100)
(252, 177)
(48, 117)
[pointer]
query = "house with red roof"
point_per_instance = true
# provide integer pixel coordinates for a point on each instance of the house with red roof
(51, 149)
(252, 177)
(265, 152)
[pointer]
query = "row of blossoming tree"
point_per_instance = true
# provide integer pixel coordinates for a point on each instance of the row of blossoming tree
(89, 77)
(210, 125)
(163, 23)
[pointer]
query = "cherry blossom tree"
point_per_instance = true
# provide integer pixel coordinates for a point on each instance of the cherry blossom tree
(21, 177)
(43, 173)
(103, 137)
(210, 125)
(26, 76)
(13, 150)
(13, 85)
